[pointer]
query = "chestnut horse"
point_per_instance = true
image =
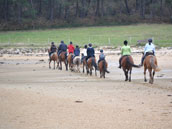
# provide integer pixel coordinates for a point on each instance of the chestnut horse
(62, 58)
(127, 63)
(102, 68)
(70, 61)
(150, 63)
(91, 62)
(53, 57)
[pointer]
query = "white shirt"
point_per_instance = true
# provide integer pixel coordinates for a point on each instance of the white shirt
(84, 52)
(149, 48)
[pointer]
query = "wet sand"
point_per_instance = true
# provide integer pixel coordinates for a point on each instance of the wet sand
(32, 96)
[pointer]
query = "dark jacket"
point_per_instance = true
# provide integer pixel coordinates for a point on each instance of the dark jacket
(53, 48)
(62, 47)
(90, 52)
(76, 52)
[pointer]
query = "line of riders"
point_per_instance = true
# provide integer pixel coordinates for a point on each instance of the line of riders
(88, 51)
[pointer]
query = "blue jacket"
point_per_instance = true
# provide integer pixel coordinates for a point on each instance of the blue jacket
(53, 48)
(62, 47)
(76, 52)
(90, 52)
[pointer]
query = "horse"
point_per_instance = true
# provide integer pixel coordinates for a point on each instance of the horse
(62, 58)
(150, 63)
(76, 63)
(127, 63)
(90, 63)
(102, 65)
(70, 61)
(53, 57)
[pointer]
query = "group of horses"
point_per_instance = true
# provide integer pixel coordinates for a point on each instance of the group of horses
(150, 63)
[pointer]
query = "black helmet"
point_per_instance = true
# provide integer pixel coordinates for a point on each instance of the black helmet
(62, 41)
(89, 44)
(52, 43)
(149, 40)
(70, 42)
(125, 42)
(101, 50)
(77, 46)
(85, 46)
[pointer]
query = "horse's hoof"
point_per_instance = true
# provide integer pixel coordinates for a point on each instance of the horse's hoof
(145, 80)
(129, 80)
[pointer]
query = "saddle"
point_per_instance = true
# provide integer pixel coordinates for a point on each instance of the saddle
(52, 54)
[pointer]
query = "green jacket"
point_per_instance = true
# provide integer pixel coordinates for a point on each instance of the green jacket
(125, 50)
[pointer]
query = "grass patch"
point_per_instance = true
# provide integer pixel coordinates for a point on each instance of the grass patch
(99, 36)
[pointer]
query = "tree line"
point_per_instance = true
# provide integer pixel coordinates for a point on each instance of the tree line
(30, 14)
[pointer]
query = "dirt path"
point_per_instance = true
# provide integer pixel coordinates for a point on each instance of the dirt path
(35, 97)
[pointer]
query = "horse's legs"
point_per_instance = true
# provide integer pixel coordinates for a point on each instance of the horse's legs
(60, 65)
(130, 75)
(83, 68)
(145, 74)
(57, 64)
(104, 73)
(50, 64)
(95, 72)
(126, 75)
(54, 64)
(91, 71)
(66, 63)
(151, 78)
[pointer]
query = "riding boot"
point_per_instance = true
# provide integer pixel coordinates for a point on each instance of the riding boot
(120, 62)
(107, 71)
(142, 61)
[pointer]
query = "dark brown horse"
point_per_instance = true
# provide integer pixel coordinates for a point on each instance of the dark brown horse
(62, 58)
(127, 63)
(150, 63)
(53, 57)
(70, 61)
(102, 68)
(91, 62)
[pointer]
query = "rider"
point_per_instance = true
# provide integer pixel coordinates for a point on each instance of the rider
(70, 48)
(125, 51)
(102, 57)
(148, 50)
(90, 53)
(84, 53)
(62, 48)
(52, 49)
(76, 51)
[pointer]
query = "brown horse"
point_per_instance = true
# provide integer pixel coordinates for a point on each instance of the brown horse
(102, 68)
(53, 57)
(76, 64)
(62, 58)
(127, 63)
(70, 61)
(91, 62)
(150, 63)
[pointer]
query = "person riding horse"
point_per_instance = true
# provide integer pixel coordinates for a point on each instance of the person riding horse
(125, 51)
(90, 53)
(62, 48)
(52, 49)
(84, 53)
(76, 51)
(102, 57)
(148, 50)
(70, 48)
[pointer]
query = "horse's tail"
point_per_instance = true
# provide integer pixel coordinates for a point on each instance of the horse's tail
(93, 62)
(104, 65)
(153, 65)
(133, 65)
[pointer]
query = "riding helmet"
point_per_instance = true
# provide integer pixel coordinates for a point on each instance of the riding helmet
(149, 40)
(101, 50)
